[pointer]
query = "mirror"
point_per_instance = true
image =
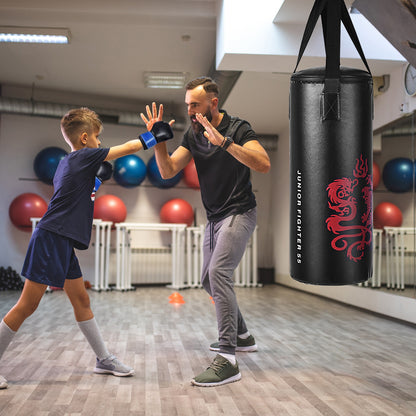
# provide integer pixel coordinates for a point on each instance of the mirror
(394, 237)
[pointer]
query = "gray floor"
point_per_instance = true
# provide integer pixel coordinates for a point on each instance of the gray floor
(315, 357)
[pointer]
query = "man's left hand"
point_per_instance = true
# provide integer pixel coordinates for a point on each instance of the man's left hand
(211, 133)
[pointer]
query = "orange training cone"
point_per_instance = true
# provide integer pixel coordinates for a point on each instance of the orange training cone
(176, 297)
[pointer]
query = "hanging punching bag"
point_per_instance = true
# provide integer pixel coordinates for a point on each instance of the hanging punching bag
(331, 112)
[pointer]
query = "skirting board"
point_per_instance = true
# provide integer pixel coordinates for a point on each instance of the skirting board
(389, 304)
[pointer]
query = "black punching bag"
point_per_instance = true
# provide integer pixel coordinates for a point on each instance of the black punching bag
(331, 112)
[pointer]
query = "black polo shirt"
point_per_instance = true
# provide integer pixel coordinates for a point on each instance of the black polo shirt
(225, 182)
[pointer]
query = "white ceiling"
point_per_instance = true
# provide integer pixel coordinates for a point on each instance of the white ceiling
(114, 42)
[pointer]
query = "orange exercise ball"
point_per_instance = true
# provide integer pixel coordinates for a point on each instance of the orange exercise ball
(177, 211)
(24, 207)
(190, 176)
(387, 214)
(110, 208)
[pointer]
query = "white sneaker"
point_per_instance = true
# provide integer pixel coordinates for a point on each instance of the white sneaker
(3, 383)
(111, 365)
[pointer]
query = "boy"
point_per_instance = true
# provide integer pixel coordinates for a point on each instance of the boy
(50, 259)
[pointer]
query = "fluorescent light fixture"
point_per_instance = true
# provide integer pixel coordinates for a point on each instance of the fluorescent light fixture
(164, 79)
(16, 34)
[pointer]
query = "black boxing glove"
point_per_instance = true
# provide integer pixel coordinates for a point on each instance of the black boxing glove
(105, 171)
(161, 131)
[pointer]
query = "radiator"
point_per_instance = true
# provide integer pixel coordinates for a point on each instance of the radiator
(151, 265)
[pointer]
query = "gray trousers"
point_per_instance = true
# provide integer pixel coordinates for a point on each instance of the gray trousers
(224, 245)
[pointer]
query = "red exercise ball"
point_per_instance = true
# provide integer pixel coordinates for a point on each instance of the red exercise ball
(24, 207)
(110, 208)
(387, 214)
(376, 175)
(190, 176)
(177, 211)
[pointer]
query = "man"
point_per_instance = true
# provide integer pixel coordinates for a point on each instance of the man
(224, 149)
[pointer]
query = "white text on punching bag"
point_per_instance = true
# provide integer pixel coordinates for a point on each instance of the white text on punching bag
(299, 216)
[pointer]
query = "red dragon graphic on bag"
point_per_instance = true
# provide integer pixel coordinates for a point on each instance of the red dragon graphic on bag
(353, 228)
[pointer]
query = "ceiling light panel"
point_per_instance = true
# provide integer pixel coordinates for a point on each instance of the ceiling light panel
(164, 79)
(16, 34)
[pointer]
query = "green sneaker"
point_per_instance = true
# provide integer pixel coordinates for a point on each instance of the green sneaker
(245, 345)
(221, 371)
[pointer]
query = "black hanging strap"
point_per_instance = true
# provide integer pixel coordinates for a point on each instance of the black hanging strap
(310, 26)
(346, 20)
(331, 23)
(330, 98)
(317, 10)
(332, 12)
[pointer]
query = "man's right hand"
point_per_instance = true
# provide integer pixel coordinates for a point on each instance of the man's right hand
(160, 130)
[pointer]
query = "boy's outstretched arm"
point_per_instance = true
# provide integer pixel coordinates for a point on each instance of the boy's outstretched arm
(160, 132)
(132, 146)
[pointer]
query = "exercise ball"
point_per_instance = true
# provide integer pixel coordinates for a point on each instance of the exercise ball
(177, 211)
(398, 175)
(190, 176)
(414, 170)
(129, 171)
(376, 175)
(46, 162)
(24, 207)
(387, 214)
(110, 208)
(155, 177)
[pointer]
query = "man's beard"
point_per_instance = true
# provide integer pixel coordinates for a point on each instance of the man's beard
(197, 127)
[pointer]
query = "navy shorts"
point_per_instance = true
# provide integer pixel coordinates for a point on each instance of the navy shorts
(50, 259)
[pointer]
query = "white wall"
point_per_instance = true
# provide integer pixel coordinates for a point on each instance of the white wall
(22, 137)
(394, 103)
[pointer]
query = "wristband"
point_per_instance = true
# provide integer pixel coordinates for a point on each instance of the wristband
(148, 140)
(226, 144)
(98, 182)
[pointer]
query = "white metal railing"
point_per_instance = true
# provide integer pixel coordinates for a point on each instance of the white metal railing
(124, 251)
(245, 275)
(194, 255)
(396, 247)
(185, 250)
(375, 280)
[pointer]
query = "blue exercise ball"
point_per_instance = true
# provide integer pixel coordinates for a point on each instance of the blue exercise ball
(398, 175)
(155, 177)
(414, 171)
(46, 162)
(129, 171)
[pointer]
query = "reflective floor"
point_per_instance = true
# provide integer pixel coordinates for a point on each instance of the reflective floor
(316, 357)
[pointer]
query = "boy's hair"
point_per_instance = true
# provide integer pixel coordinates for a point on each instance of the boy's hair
(208, 84)
(80, 120)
